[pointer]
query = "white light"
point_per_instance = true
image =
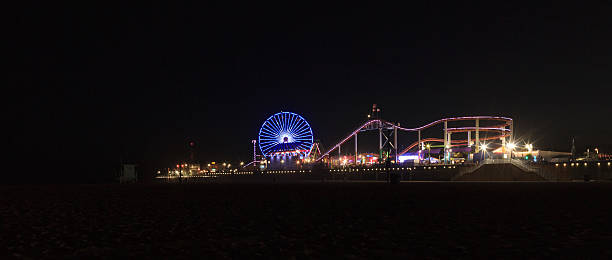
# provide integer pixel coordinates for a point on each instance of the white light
(511, 146)
(403, 158)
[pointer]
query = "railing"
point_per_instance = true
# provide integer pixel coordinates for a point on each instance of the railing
(471, 169)
(466, 170)
(496, 161)
(546, 175)
(518, 163)
(523, 166)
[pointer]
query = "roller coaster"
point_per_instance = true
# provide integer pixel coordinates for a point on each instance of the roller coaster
(503, 130)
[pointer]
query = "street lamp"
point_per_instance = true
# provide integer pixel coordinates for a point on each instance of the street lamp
(484, 150)
(511, 146)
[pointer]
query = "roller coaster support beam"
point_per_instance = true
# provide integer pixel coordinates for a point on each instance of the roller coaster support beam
(469, 144)
(449, 145)
(504, 148)
(395, 141)
(420, 146)
(355, 149)
(469, 139)
(445, 139)
(379, 137)
(477, 135)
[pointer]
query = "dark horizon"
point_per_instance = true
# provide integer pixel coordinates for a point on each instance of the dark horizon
(99, 83)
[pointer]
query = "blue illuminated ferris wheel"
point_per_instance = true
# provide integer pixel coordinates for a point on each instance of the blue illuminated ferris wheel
(285, 133)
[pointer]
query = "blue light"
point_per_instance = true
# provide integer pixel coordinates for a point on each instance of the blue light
(283, 125)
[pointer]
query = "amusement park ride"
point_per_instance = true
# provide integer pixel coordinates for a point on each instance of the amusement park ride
(286, 139)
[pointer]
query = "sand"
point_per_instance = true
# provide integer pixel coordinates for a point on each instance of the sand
(315, 220)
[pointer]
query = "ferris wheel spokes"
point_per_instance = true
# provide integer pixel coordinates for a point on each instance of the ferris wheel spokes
(285, 132)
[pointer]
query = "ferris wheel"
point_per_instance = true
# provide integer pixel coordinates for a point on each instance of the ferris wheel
(285, 132)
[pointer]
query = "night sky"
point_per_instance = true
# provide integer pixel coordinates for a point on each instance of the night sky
(100, 83)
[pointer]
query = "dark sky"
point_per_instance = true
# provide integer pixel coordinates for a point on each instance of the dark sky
(100, 82)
